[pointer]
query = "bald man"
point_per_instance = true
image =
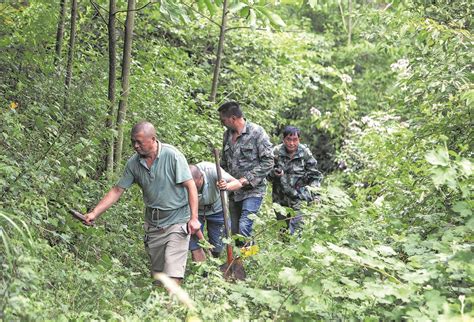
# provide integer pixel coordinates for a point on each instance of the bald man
(170, 197)
(210, 206)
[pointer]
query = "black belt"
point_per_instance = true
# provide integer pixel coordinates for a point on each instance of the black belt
(155, 214)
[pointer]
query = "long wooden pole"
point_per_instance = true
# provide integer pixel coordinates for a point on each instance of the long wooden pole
(230, 255)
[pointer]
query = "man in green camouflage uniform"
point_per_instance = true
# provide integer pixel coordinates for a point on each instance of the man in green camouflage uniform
(247, 156)
(295, 170)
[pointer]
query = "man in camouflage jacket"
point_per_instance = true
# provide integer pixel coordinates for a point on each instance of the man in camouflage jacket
(247, 156)
(295, 170)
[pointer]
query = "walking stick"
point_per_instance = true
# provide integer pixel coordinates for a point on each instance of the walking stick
(233, 268)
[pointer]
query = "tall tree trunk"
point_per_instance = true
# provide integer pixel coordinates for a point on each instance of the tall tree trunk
(127, 55)
(60, 31)
(349, 23)
(70, 55)
(110, 123)
(220, 48)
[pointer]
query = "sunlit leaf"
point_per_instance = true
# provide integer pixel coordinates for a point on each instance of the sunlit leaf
(313, 3)
(438, 157)
(252, 19)
(441, 176)
(82, 173)
(466, 167)
(211, 7)
(463, 208)
(290, 275)
(237, 7)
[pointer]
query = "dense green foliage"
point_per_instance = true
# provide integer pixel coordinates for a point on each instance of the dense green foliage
(389, 118)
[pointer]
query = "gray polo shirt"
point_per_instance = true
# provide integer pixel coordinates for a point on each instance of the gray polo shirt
(209, 196)
(161, 185)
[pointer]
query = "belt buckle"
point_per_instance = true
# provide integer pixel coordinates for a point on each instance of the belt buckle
(155, 215)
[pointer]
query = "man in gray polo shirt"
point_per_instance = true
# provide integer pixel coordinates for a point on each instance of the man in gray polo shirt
(210, 205)
(170, 197)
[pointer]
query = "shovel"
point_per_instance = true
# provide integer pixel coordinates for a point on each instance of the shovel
(233, 268)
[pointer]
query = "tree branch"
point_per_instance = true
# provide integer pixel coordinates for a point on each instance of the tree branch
(342, 15)
(137, 9)
(96, 7)
(243, 27)
(202, 15)
(292, 291)
(387, 6)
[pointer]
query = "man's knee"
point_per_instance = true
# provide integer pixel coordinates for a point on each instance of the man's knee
(176, 252)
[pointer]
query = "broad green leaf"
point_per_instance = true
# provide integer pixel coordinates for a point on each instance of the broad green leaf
(274, 19)
(268, 297)
(211, 7)
(311, 290)
(385, 250)
(244, 13)
(290, 275)
(82, 173)
(469, 97)
(345, 251)
(441, 176)
(379, 290)
(338, 196)
(418, 277)
(252, 19)
(279, 208)
(404, 291)
(313, 3)
(434, 301)
(53, 221)
(237, 7)
(466, 167)
(438, 157)
(463, 208)
(163, 8)
(348, 282)
(185, 18)
(379, 201)
(201, 5)
(319, 249)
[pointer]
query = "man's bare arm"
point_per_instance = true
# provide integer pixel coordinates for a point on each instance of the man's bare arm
(231, 184)
(105, 203)
(193, 224)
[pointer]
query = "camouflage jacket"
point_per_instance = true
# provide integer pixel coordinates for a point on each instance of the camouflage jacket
(298, 173)
(250, 157)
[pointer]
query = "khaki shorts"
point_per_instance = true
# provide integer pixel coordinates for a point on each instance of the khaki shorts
(167, 248)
